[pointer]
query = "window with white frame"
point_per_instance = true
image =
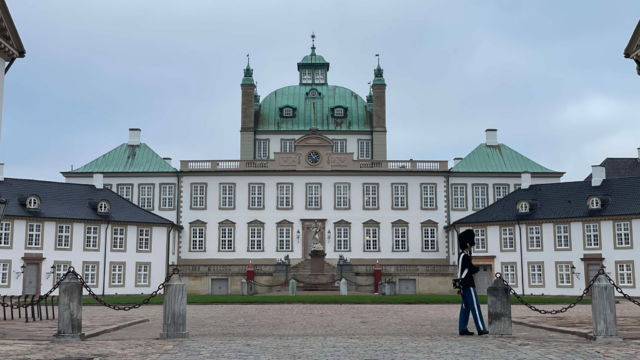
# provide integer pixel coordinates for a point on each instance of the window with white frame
(428, 196)
(592, 235)
(370, 239)
(535, 274)
(338, 112)
(256, 196)
(146, 196)
(564, 274)
(342, 239)
(64, 236)
(125, 191)
(429, 239)
(509, 273)
(61, 269)
(339, 146)
(144, 239)
(481, 239)
(319, 76)
(5, 234)
(90, 274)
(508, 242)
(500, 191)
(623, 234)
(479, 196)
(103, 207)
(459, 197)
(364, 147)
(198, 196)
(284, 196)
(399, 196)
(370, 196)
(342, 196)
(523, 207)
(313, 196)
(287, 112)
(535, 237)
(91, 237)
(307, 77)
(262, 149)
(4, 273)
(625, 274)
(287, 146)
(284, 238)
(226, 238)
(197, 238)
(117, 243)
(32, 203)
(117, 274)
(166, 196)
(255, 238)
(562, 236)
(143, 274)
(594, 203)
(400, 239)
(227, 195)
(34, 235)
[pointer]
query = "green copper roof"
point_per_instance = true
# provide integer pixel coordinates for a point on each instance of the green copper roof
(499, 158)
(127, 158)
(313, 111)
(248, 74)
(313, 59)
(378, 79)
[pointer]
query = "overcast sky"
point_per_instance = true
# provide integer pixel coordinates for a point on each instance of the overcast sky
(549, 75)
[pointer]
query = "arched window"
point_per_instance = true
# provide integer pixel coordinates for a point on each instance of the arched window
(32, 203)
(594, 203)
(523, 207)
(103, 207)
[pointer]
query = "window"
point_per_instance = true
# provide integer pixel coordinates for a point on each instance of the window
(144, 239)
(623, 234)
(364, 149)
(313, 93)
(370, 196)
(198, 193)
(166, 196)
(5, 234)
(284, 239)
(286, 146)
(562, 237)
(125, 191)
(459, 197)
(625, 273)
(479, 196)
(338, 112)
(509, 273)
(370, 239)
(61, 269)
(339, 146)
(564, 274)
(226, 239)
(64, 237)
(287, 112)
(523, 207)
(117, 274)
(342, 196)
(255, 238)
(197, 239)
(429, 239)
(500, 191)
(535, 238)
(91, 238)
(313, 196)
(227, 196)
(481, 239)
(32, 203)
(262, 149)
(34, 235)
(256, 196)
(399, 196)
(118, 241)
(342, 239)
(142, 274)
(285, 196)
(319, 76)
(306, 77)
(508, 242)
(90, 272)
(4, 274)
(594, 203)
(103, 207)
(146, 197)
(592, 236)
(428, 196)
(535, 275)
(400, 239)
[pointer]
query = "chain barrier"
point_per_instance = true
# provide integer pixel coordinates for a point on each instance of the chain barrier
(265, 285)
(308, 283)
(355, 283)
(40, 298)
(619, 290)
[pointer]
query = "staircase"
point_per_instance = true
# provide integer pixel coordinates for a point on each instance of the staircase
(302, 271)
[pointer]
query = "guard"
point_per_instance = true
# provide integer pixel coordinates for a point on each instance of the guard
(466, 269)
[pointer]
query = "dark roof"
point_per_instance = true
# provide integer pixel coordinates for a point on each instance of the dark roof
(616, 168)
(634, 42)
(564, 200)
(72, 202)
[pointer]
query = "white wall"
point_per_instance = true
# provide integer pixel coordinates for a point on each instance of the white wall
(3, 63)
(352, 141)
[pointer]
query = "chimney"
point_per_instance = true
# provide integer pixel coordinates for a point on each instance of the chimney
(638, 153)
(525, 180)
(97, 181)
(598, 174)
(492, 137)
(134, 136)
(168, 160)
(1, 172)
(456, 161)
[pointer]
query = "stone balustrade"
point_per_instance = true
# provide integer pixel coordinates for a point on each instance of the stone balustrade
(292, 162)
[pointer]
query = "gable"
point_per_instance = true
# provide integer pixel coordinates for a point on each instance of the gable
(499, 159)
(127, 158)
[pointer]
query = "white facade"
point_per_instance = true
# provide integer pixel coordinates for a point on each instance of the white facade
(351, 141)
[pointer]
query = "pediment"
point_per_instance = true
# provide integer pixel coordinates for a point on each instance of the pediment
(429, 222)
(342, 222)
(371, 222)
(400, 222)
(314, 139)
(255, 222)
(284, 222)
(226, 222)
(198, 222)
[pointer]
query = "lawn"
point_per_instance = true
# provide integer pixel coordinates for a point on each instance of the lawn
(327, 299)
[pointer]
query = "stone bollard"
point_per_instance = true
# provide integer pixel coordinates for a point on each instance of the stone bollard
(343, 286)
(244, 290)
(603, 311)
(292, 287)
(390, 288)
(499, 304)
(70, 309)
(174, 306)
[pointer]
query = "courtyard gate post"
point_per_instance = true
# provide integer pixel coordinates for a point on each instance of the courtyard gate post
(499, 304)
(377, 277)
(174, 319)
(292, 287)
(343, 286)
(70, 309)
(243, 287)
(603, 311)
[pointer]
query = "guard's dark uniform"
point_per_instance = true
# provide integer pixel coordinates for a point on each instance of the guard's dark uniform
(466, 269)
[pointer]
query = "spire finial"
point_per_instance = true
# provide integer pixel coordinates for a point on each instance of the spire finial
(248, 73)
(378, 72)
(377, 55)
(313, 39)
(248, 67)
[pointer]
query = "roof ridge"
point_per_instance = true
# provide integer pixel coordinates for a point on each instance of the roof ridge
(47, 181)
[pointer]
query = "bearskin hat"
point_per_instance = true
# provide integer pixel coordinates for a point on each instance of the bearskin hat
(467, 239)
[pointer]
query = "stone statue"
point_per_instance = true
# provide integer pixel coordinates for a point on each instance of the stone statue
(316, 230)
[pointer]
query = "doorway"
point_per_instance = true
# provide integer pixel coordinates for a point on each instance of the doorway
(592, 270)
(219, 286)
(483, 279)
(31, 279)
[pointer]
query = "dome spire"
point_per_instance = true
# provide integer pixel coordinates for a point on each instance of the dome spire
(313, 43)
(377, 73)
(248, 73)
(370, 96)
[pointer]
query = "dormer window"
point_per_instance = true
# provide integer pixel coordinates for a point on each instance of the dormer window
(306, 76)
(523, 207)
(103, 207)
(33, 203)
(320, 77)
(287, 112)
(339, 112)
(595, 203)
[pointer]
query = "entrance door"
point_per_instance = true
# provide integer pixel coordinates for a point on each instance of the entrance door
(31, 279)
(592, 270)
(219, 286)
(407, 286)
(483, 279)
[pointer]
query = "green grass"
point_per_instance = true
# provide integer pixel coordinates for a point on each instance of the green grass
(327, 299)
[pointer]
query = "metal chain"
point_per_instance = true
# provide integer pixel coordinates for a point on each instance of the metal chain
(307, 283)
(619, 290)
(264, 285)
(40, 298)
(355, 283)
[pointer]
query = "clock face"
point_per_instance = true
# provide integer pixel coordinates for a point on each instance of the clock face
(313, 157)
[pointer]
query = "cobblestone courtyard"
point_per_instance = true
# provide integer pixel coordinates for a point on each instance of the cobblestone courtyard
(325, 332)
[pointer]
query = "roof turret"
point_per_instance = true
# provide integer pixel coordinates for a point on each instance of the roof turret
(378, 79)
(248, 74)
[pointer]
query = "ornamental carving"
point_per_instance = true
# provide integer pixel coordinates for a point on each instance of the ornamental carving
(339, 160)
(289, 160)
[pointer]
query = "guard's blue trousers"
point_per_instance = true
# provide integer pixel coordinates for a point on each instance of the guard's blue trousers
(470, 303)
